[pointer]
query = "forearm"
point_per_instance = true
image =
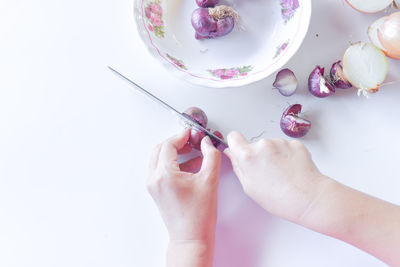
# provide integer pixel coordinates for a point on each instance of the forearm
(190, 253)
(368, 223)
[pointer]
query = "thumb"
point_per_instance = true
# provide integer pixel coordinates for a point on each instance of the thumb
(211, 159)
(236, 140)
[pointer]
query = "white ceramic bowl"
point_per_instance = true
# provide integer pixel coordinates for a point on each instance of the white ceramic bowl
(273, 32)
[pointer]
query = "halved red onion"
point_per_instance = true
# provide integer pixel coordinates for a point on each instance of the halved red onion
(286, 82)
(337, 76)
(318, 85)
(292, 124)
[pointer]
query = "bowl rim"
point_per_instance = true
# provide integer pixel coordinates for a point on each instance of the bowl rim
(282, 60)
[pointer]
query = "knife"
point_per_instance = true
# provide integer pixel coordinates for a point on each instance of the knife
(186, 119)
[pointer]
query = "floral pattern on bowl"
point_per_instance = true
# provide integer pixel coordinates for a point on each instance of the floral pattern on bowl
(153, 12)
(289, 8)
(164, 27)
(281, 48)
(177, 62)
(227, 74)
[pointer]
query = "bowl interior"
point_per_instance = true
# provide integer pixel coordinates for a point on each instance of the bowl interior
(269, 33)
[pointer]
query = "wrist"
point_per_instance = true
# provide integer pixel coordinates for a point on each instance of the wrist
(196, 253)
(323, 214)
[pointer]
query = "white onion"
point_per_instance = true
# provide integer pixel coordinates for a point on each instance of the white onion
(389, 35)
(365, 66)
(369, 6)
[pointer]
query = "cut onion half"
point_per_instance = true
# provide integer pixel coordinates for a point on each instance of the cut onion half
(365, 66)
(389, 35)
(369, 6)
(373, 33)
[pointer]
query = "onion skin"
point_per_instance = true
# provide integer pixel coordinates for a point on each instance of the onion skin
(337, 77)
(318, 85)
(207, 3)
(389, 35)
(293, 125)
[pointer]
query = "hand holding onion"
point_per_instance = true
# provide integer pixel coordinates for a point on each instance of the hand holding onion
(196, 136)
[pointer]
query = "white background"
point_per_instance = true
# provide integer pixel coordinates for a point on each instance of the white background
(75, 140)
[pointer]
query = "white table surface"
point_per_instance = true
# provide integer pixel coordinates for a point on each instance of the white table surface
(75, 141)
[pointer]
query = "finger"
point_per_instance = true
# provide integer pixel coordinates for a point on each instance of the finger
(154, 157)
(211, 159)
(191, 165)
(236, 140)
(186, 149)
(169, 149)
(153, 162)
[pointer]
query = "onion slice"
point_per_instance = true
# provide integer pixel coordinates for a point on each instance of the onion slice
(286, 82)
(365, 66)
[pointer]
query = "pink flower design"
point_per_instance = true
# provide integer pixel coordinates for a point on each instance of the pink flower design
(226, 74)
(289, 8)
(281, 48)
(156, 20)
(153, 12)
(232, 72)
(155, 8)
(177, 62)
(219, 72)
(147, 11)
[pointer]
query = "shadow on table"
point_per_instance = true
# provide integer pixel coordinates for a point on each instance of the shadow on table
(243, 227)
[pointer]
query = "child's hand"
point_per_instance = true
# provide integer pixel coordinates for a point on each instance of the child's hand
(187, 201)
(279, 175)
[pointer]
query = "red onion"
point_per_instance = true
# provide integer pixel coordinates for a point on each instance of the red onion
(318, 85)
(286, 82)
(200, 117)
(207, 3)
(216, 143)
(213, 22)
(337, 76)
(292, 124)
